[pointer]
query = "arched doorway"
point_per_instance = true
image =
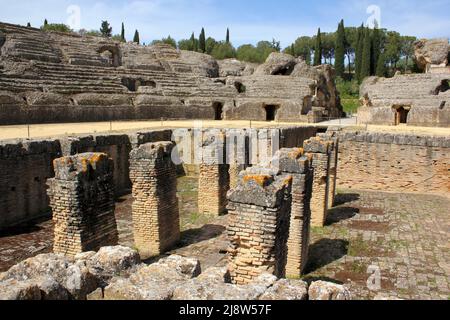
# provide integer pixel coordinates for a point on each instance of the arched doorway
(218, 111)
(112, 55)
(401, 114)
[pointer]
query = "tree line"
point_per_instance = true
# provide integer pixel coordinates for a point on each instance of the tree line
(356, 52)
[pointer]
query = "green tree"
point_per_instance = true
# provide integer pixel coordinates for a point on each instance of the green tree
(45, 22)
(248, 53)
(58, 27)
(223, 50)
(136, 37)
(202, 41)
(122, 34)
(381, 66)
(194, 42)
(359, 52)
(210, 45)
(366, 61)
(228, 36)
(375, 50)
(339, 59)
(407, 49)
(318, 49)
(303, 48)
(29, 25)
(106, 29)
(393, 49)
(169, 40)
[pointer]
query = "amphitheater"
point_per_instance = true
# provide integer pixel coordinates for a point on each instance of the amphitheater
(135, 172)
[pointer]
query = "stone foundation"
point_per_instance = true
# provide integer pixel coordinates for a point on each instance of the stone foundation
(258, 226)
(82, 201)
(319, 151)
(156, 221)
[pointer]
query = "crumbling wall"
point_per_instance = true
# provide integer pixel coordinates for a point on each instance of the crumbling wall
(292, 163)
(319, 151)
(258, 226)
(24, 169)
(82, 201)
(394, 162)
(156, 220)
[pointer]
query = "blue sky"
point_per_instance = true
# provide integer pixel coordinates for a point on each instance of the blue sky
(248, 20)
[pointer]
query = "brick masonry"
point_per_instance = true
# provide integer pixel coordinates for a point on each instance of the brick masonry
(82, 200)
(156, 220)
(214, 181)
(394, 162)
(319, 151)
(293, 163)
(258, 225)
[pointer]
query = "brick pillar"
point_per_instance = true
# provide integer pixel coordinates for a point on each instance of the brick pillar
(293, 163)
(82, 201)
(237, 153)
(319, 152)
(156, 220)
(213, 180)
(258, 226)
(334, 157)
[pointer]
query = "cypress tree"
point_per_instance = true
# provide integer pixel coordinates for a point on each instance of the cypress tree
(318, 50)
(136, 37)
(339, 62)
(365, 64)
(202, 41)
(106, 29)
(376, 48)
(29, 25)
(359, 52)
(228, 36)
(381, 66)
(45, 22)
(122, 34)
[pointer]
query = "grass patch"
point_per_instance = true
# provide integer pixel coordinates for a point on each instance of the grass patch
(195, 219)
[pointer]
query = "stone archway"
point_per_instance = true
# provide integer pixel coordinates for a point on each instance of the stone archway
(218, 110)
(112, 55)
(271, 112)
(401, 114)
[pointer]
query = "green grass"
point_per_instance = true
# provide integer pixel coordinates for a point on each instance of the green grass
(350, 105)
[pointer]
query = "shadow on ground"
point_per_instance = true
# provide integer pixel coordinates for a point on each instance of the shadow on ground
(339, 214)
(324, 252)
(343, 198)
(207, 232)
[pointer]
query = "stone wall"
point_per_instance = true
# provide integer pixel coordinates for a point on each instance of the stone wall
(394, 162)
(258, 226)
(24, 170)
(319, 151)
(156, 220)
(26, 165)
(82, 201)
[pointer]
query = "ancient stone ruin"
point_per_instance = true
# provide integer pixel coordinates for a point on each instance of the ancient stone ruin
(156, 220)
(413, 99)
(98, 79)
(83, 202)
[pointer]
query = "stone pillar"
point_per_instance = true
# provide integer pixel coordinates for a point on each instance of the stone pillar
(334, 157)
(82, 201)
(293, 163)
(213, 181)
(237, 153)
(319, 152)
(258, 226)
(156, 220)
